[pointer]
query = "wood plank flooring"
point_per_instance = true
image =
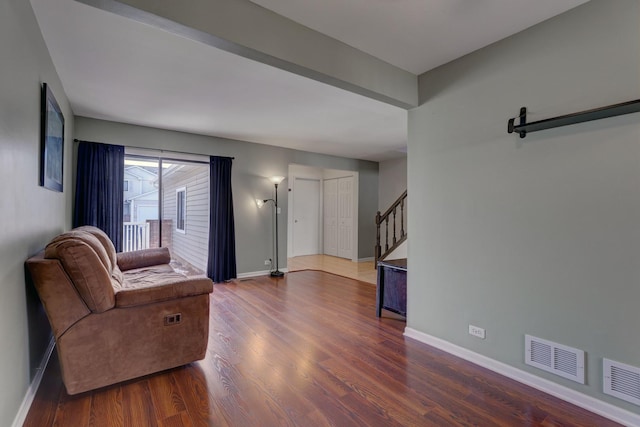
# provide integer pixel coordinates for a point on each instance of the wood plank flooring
(363, 271)
(307, 350)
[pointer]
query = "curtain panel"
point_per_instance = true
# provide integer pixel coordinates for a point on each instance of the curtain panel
(99, 189)
(222, 237)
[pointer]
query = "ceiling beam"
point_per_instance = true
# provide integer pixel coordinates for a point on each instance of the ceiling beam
(251, 31)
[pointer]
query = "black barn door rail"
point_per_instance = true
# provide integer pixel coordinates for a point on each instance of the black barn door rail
(584, 116)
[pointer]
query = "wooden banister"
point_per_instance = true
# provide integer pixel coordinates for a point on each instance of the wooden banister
(384, 219)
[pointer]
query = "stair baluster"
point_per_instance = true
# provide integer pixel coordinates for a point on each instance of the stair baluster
(402, 219)
(384, 218)
(394, 226)
(386, 233)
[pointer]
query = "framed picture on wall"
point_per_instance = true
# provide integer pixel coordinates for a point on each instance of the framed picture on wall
(52, 141)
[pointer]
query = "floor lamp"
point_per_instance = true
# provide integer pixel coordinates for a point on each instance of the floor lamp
(276, 180)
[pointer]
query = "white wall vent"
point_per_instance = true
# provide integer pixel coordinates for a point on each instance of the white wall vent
(555, 358)
(621, 381)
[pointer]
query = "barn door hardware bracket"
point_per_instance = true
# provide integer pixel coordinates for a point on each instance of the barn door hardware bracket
(570, 119)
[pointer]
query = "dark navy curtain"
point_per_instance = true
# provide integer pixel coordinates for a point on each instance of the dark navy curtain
(99, 189)
(222, 236)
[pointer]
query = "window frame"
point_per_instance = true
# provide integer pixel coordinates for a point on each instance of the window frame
(181, 215)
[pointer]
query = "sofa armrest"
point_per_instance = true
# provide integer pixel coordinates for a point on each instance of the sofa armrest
(143, 258)
(131, 297)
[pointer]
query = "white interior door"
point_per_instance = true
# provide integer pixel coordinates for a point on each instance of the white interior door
(306, 216)
(345, 217)
(330, 206)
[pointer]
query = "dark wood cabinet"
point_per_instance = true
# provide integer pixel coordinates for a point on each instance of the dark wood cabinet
(391, 292)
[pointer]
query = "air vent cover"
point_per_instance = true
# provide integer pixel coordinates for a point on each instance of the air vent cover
(555, 358)
(621, 381)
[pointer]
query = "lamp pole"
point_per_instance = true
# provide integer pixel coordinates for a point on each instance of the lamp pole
(277, 180)
(277, 272)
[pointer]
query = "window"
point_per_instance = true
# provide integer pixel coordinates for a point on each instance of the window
(181, 209)
(159, 211)
(126, 185)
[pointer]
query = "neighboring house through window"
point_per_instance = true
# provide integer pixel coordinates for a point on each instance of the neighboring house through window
(181, 209)
(157, 205)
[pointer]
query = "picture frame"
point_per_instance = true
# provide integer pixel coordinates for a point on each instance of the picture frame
(51, 141)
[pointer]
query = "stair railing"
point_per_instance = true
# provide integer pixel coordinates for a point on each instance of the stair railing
(384, 220)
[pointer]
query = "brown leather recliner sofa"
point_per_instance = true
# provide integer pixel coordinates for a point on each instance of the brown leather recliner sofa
(117, 316)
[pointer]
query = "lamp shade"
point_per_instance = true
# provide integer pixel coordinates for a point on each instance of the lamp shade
(276, 179)
(259, 202)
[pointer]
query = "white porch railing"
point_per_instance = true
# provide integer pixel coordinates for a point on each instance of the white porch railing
(135, 236)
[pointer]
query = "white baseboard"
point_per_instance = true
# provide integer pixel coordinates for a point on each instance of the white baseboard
(21, 416)
(589, 403)
(259, 273)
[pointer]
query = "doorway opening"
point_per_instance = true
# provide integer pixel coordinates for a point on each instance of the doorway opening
(323, 212)
(166, 204)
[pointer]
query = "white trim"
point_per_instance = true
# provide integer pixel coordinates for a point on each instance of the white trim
(259, 273)
(253, 274)
(21, 416)
(355, 193)
(589, 403)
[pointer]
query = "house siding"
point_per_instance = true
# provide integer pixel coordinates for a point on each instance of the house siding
(192, 245)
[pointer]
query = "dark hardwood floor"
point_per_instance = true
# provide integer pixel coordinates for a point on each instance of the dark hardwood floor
(307, 350)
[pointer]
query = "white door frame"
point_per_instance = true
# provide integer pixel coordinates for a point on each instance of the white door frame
(330, 235)
(310, 172)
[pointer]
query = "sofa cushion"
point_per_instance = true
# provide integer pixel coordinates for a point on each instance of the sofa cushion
(143, 258)
(110, 250)
(88, 265)
(158, 283)
(103, 238)
(90, 240)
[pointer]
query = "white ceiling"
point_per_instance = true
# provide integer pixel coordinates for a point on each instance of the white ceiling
(117, 69)
(418, 35)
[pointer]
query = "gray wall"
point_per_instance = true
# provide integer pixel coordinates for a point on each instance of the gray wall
(31, 215)
(253, 164)
(538, 236)
(392, 181)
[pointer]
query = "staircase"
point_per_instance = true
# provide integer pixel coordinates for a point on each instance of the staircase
(391, 292)
(382, 221)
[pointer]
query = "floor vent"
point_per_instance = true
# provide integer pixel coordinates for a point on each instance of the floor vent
(621, 381)
(555, 358)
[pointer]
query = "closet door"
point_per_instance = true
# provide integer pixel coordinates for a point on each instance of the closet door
(330, 217)
(345, 217)
(306, 216)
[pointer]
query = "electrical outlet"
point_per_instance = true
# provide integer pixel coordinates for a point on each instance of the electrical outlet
(279, 211)
(172, 319)
(267, 262)
(476, 331)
